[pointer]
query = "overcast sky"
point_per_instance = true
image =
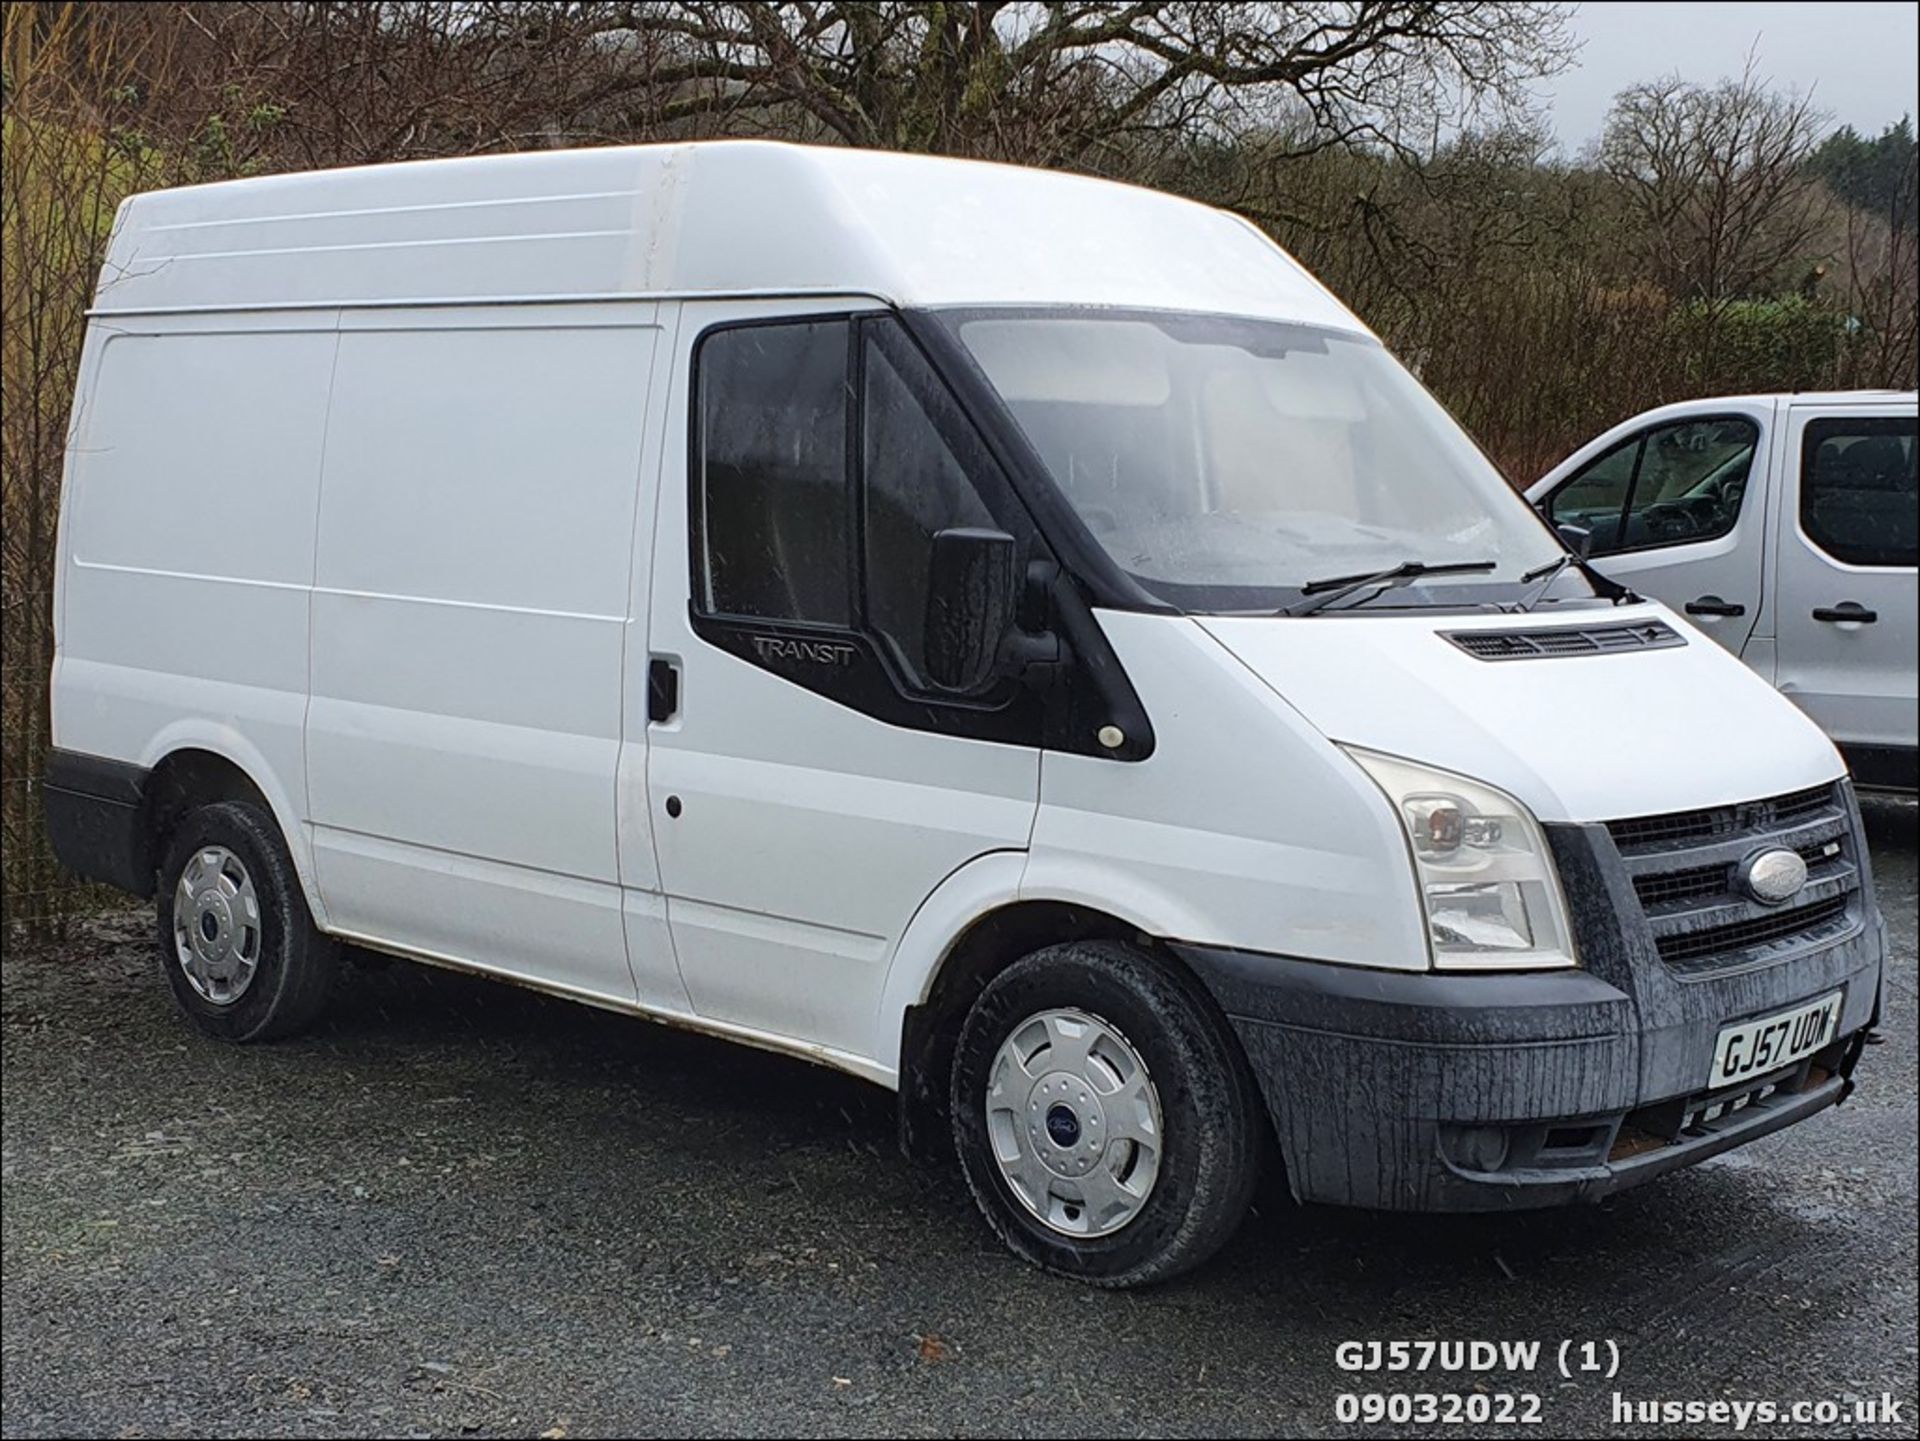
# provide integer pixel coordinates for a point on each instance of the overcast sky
(1858, 59)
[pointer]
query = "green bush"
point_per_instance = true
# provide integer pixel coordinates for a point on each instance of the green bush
(1791, 343)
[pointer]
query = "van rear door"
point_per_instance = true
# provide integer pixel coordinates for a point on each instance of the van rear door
(808, 787)
(1849, 536)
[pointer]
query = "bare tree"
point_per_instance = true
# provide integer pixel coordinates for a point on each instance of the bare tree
(1882, 253)
(1062, 83)
(1090, 84)
(1718, 180)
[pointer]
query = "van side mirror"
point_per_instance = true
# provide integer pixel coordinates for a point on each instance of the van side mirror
(972, 595)
(1577, 538)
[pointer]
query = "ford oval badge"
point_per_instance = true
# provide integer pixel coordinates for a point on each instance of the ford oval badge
(1773, 876)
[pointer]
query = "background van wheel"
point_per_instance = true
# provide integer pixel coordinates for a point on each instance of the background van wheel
(237, 943)
(1104, 1115)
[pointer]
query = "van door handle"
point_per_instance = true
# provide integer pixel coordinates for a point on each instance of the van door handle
(1713, 605)
(1847, 610)
(663, 691)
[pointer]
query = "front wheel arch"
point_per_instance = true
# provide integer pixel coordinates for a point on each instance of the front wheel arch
(992, 942)
(1207, 1157)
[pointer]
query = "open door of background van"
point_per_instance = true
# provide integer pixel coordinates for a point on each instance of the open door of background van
(1675, 505)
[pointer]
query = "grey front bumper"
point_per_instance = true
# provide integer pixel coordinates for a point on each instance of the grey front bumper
(1454, 1092)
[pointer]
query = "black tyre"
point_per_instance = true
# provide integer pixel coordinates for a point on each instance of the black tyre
(237, 943)
(1104, 1115)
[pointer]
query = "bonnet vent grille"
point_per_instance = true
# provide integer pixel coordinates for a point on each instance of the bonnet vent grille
(1564, 641)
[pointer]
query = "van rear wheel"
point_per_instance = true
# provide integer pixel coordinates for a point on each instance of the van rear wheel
(1104, 1115)
(237, 944)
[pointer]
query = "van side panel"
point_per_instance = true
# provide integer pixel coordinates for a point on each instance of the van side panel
(470, 603)
(189, 537)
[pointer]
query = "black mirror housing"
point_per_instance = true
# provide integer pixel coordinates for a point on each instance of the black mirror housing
(972, 597)
(1577, 538)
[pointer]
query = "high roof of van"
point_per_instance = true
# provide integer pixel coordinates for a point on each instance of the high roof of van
(701, 219)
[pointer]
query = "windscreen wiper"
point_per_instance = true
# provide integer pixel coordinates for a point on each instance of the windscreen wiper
(1338, 587)
(1546, 574)
(1609, 588)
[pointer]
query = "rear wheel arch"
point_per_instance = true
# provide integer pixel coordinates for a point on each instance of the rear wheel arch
(191, 777)
(237, 942)
(196, 774)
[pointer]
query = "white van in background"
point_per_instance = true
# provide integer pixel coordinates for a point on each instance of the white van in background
(1787, 527)
(1012, 637)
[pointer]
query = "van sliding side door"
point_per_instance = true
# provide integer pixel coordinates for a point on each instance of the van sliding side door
(470, 607)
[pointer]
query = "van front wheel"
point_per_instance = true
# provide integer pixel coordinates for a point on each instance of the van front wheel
(1104, 1115)
(237, 944)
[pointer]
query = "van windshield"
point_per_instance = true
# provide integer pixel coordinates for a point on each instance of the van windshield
(1225, 463)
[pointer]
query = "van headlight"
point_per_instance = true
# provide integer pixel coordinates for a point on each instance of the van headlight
(1485, 876)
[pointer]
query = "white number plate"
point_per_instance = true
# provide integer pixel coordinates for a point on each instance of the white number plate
(1756, 1047)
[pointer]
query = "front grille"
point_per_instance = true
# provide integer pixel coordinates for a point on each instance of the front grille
(1788, 809)
(1662, 889)
(1565, 640)
(1798, 923)
(1662, 830)
(1659, 890)
(1686, 866)
(1766, 815)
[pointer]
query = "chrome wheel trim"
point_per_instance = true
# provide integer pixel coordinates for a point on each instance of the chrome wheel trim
(216, 925)
(1073, 1122)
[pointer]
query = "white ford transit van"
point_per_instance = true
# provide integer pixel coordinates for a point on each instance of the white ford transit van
(1788, 528)
(1013, 637)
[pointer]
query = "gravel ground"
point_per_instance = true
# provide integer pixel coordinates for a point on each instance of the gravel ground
(463, 1209)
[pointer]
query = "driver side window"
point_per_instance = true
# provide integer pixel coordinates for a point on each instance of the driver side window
(1672, 485)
